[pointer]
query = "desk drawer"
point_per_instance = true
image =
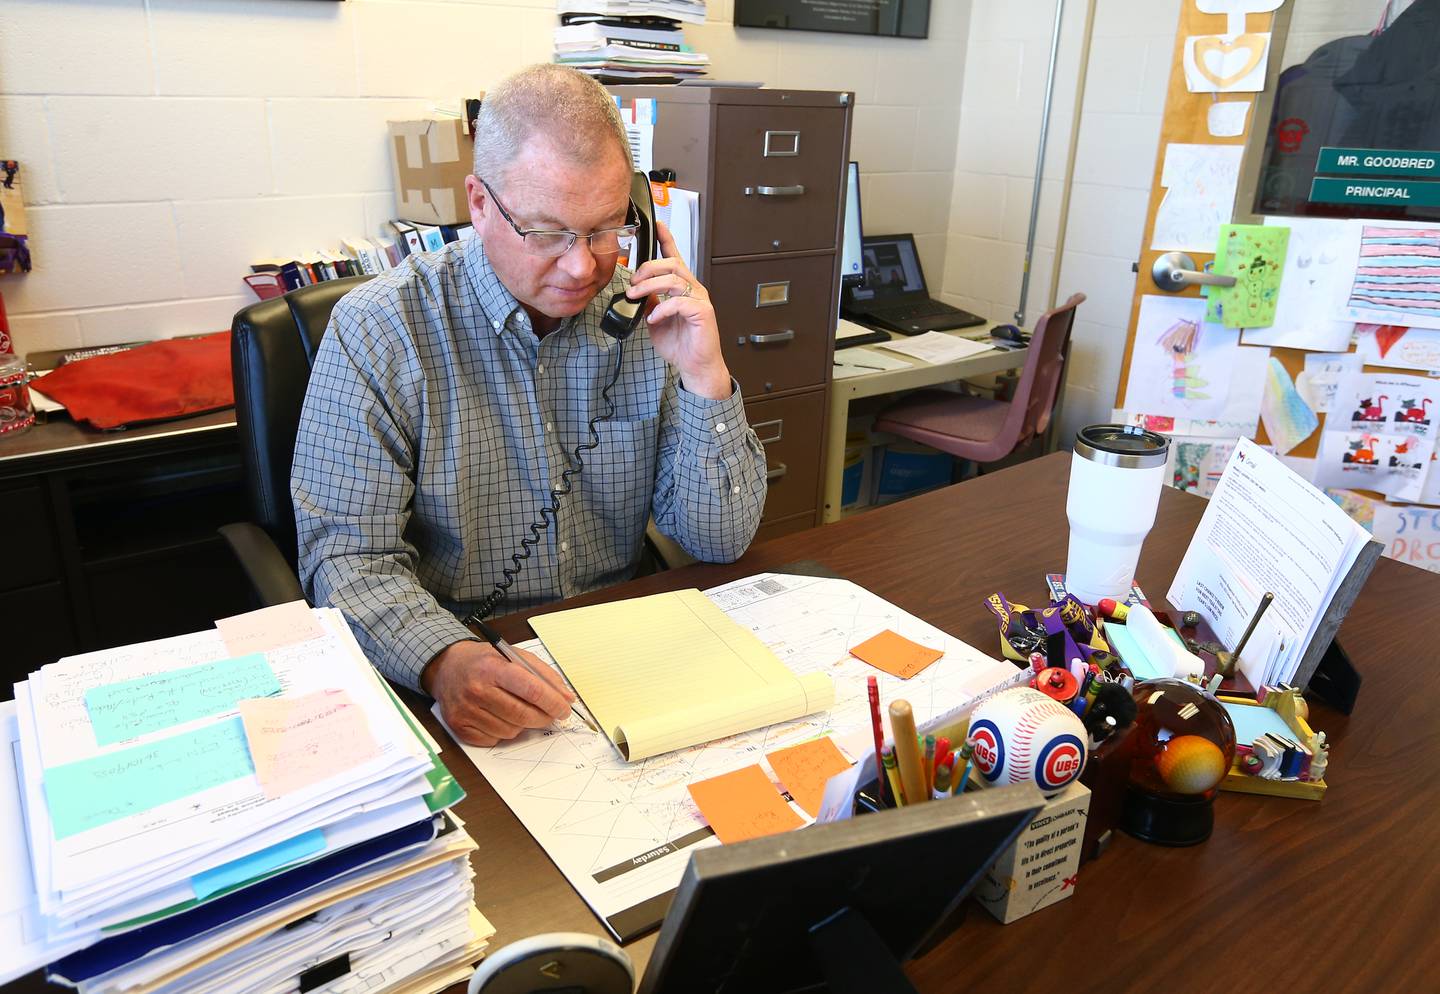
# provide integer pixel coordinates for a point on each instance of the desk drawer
(30, 540)
(774, 318)
(790, 428)
(790, 160)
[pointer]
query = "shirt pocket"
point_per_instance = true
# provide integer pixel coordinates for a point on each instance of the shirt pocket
(619, 479)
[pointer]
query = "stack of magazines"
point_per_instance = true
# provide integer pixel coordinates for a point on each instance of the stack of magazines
(630, 41)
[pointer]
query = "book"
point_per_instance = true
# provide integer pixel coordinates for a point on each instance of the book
(673, 670)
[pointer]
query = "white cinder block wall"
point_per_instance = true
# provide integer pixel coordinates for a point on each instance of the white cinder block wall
(1000, 111)
(167, 144)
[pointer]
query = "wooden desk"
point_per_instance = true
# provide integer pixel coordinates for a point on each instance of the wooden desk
(1339, 895)
(921, 374)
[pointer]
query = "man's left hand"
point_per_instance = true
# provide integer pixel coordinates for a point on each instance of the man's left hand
(682, 325)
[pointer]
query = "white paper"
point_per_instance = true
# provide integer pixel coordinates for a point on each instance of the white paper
(936, 347)
(1199, 183)
(1328, 381)
(1266, 529)
(111, 863)
(1410, 534)
(861, 361)
(1395, 255)
(1226, 63)
(1288, 420)
(1195, 463)
(1215, 379)
(682, 216)
(1226, 118)
(1398, 347)
(1390, 463)
(1240, 427)
(1319, 268)
(849, 329)
(1389, 402)
(1237, 6)
(591, 811)
(642, 145)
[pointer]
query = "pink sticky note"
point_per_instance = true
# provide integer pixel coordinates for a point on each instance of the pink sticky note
(298, 741)
(269, 628)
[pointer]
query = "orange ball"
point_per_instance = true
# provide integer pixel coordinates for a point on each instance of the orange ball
(1190, 764)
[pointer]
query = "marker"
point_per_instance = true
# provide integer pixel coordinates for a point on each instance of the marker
(929, 763)
(967, 752)
(892, 776)
(942, 784)
(879, 732)
(942, 750)
(907, 753)
(1112, 608)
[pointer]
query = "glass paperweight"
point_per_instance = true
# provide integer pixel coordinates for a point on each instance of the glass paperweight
(1183, 743)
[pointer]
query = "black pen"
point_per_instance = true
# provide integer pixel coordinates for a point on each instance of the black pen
(508, 651)
(858, 365)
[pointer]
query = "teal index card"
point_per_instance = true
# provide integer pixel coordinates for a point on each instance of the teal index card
(96, 791)
(131, 708)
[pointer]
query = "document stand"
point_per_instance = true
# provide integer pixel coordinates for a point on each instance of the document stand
(854, 957)
(1325, 670)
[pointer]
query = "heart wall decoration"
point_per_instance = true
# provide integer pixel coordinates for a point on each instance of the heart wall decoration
(1229, 63)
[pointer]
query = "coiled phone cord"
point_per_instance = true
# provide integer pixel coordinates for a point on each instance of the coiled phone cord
(549, 514)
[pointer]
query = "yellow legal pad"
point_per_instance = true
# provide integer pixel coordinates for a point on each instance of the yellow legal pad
(673, 670)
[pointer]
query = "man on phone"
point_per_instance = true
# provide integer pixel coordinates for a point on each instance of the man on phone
(450, 393)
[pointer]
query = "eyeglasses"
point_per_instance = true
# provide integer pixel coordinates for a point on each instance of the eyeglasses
(555, 242)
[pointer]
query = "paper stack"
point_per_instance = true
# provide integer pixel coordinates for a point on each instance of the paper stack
(630, 41)
(242, 809)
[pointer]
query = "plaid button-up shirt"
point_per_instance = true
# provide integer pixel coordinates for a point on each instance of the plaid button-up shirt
(434, 426)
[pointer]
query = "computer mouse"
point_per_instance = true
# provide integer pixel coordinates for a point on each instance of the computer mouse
(1009, 333)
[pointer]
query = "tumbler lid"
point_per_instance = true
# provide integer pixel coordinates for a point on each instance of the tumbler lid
(1126, 446)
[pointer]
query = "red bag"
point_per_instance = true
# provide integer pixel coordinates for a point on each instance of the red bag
(154, 382)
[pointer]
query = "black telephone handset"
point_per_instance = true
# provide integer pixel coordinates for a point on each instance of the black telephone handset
(623, 315)
(620, 320)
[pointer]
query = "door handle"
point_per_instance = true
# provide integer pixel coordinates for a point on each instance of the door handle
(776, 191)
(1174, 271)
(771, 475)
(770, 339)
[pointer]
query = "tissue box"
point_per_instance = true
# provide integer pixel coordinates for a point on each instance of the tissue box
(1041, 867)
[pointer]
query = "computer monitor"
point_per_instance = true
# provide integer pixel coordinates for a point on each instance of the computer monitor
(852, 263)
(836, 907)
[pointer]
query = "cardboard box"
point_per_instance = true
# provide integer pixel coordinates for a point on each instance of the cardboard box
(1041, 867)
(431, 160)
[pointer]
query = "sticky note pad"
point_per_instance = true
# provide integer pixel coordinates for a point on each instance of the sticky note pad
(895, 654)
(237, 871)
(805, 769)
(102, 789)
(299, 741)
(743, 805)
(131, 708)
(269, 628)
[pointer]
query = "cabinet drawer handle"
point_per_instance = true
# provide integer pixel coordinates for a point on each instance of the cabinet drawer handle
(779, 336)
(771, 475)
(781, 191)
(764, 429)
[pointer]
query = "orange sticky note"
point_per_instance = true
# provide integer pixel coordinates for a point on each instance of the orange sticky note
(806, 768)
(743, 805)
(298, 741)
(895, 654)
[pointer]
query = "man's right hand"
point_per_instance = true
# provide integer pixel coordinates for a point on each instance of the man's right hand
(486, 699)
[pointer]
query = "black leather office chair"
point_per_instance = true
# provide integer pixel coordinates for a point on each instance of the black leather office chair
(272, 347)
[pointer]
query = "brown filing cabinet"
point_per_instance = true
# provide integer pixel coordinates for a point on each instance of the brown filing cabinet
(769, 166)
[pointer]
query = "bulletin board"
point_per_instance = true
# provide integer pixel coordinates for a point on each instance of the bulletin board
(1185, 373)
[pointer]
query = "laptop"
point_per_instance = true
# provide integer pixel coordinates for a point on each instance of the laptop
(893, 291)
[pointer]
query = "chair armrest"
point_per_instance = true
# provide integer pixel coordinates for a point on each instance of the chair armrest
(269, 574)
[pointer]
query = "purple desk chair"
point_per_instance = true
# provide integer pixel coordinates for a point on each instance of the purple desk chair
(984, 430)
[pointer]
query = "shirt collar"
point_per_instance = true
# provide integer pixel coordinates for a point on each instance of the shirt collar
(499, 304)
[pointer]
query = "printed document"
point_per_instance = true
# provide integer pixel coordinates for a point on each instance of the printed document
(1266, 530)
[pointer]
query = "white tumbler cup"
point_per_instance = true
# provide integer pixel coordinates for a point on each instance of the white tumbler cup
(1115, 478)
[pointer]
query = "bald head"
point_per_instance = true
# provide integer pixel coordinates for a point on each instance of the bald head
(566, 109)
